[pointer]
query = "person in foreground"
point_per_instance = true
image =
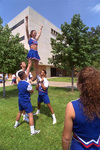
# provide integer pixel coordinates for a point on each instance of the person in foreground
(42, 87)
(25, 89)
(82, 116)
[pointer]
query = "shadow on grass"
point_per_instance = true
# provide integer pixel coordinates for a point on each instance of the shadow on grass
(44, 110)
(10, 91)
(66, 89)
(35, 118)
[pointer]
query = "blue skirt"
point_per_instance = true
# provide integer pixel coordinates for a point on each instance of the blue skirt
(33, 54)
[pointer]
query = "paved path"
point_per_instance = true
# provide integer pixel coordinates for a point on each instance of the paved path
(51, 83)
(7, 83)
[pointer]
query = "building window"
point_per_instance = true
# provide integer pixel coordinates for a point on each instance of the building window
(54, 32)
(22, 38)
(53, 57)
(17, 25)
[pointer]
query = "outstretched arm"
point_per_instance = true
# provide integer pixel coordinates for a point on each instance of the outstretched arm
(27, 32)
(39, 33)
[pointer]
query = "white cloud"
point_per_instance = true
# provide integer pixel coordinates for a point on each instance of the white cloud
(96, 9)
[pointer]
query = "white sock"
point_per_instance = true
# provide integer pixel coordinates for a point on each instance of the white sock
(38, 111)
(53, 116)
(16, 123)
(32, 129)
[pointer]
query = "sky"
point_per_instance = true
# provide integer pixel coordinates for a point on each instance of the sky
(55, 11)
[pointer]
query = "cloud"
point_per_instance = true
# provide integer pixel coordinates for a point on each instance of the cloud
(96, 9)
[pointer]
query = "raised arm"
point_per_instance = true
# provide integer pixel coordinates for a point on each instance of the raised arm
(68, 126)
(27, 32)
(39, 33)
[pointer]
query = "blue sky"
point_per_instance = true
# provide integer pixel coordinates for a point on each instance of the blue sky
(56, 11)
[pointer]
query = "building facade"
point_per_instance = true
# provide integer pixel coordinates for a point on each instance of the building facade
(35, 20)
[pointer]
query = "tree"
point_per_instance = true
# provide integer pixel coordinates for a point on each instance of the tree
(72, 48)
(12, 52)
(94, 39)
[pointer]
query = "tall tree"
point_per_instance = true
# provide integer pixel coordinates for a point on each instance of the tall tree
(94, 39)
(72, 48)
(12, 52)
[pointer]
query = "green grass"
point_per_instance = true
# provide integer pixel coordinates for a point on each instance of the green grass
(20, 139)
(63, 79)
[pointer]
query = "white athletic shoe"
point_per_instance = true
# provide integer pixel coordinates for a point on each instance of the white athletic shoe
(15, 126)
(37, 113)
(35, 132)
(54, 121)
(26, 119)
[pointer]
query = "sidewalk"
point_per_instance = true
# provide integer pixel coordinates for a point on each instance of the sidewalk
(62, 84)
(51, 83)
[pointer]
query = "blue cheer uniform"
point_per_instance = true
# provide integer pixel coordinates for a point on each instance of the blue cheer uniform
(43, 94)
(24, 89)
(86, 134)
(33, 54)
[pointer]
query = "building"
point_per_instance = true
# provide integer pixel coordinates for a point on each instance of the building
(35, 20)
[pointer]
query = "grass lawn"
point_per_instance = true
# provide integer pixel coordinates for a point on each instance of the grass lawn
(63, 79)
(20, 139)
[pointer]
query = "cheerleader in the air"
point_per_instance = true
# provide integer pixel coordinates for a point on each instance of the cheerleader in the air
(33, 52)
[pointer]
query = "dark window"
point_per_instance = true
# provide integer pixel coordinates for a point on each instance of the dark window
(17, 25)
(53, 72)
(54, 32)
(53, 57)
(22, 38)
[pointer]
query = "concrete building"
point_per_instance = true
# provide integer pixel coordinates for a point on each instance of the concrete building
(35, 20)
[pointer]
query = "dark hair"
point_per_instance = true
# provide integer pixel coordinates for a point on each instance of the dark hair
(31, 33)
(89, 86)
(44, 71)
(20, 74)
(20, 64)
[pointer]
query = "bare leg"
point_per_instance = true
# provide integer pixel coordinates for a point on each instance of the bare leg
(39, 105)
(23, 112)
(36, 66)
(38, 109)
(31, 121)
(51, 109)
(18, 116)
(17, 119)
(30, 61)
(52, 112)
